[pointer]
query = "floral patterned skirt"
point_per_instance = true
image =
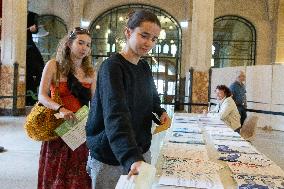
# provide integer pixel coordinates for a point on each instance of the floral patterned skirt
(62, 168)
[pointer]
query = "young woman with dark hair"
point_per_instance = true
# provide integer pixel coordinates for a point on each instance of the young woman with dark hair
(120, 119)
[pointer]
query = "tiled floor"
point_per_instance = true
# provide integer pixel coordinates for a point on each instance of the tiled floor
(19, 164)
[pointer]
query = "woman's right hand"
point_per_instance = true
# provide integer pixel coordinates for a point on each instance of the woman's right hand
(67, 114)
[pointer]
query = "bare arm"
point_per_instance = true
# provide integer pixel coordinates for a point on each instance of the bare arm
(48, 77)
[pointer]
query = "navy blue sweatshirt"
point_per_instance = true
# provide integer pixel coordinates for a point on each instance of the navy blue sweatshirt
(120, 119)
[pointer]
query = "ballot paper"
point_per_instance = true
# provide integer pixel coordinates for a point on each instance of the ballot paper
(74, 133)
(143, 180)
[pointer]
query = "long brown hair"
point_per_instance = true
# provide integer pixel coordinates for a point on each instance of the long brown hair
(63, 54)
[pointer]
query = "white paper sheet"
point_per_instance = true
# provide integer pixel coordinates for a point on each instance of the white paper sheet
(143, 180)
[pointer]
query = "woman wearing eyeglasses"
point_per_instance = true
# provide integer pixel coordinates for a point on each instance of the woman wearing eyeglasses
(120, 119)
(59, 166)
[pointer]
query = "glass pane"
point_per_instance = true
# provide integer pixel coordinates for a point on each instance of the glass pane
(108, 36)
(234, 42)
(56, 30)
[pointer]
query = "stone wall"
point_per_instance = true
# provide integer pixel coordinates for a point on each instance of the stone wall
(200, 84)
(255, 11)
(261, 13)
(6, 86)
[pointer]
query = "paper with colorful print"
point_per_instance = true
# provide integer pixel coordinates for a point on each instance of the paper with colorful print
(259, 181)
(185, 119)
(250, 159)
(210, 181)
(232, 143)
(194, 166)
(180, 150)
(251, 169)
(189, 129)
(236, 149)
(189, 172)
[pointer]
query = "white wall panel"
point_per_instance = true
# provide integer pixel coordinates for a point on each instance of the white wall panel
(278, 84)
(258, 83)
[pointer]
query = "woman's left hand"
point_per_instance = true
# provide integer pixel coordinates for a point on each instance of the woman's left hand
(164, 118)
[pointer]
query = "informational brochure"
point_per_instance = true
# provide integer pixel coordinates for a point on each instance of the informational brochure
(73, 132)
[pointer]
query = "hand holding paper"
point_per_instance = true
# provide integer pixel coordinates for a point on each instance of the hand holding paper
(143, 180)
(163, 126)
(73, 132)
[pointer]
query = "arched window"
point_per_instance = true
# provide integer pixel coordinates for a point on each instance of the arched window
(234, 42)
(51, 30)
(164, 59)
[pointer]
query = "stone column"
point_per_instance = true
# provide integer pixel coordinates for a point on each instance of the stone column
(200, 50)
(13, 50)
(280, 34)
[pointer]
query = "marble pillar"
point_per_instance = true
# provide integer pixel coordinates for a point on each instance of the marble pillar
(200, 50)
(200, 84)
(13, 50)
(280, 34)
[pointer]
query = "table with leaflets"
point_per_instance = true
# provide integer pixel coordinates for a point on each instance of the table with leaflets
(202, 152)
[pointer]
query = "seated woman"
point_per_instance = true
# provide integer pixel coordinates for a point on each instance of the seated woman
(226, 108)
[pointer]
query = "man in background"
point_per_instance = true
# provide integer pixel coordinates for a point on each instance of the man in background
(34, 60)
(238, 91)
